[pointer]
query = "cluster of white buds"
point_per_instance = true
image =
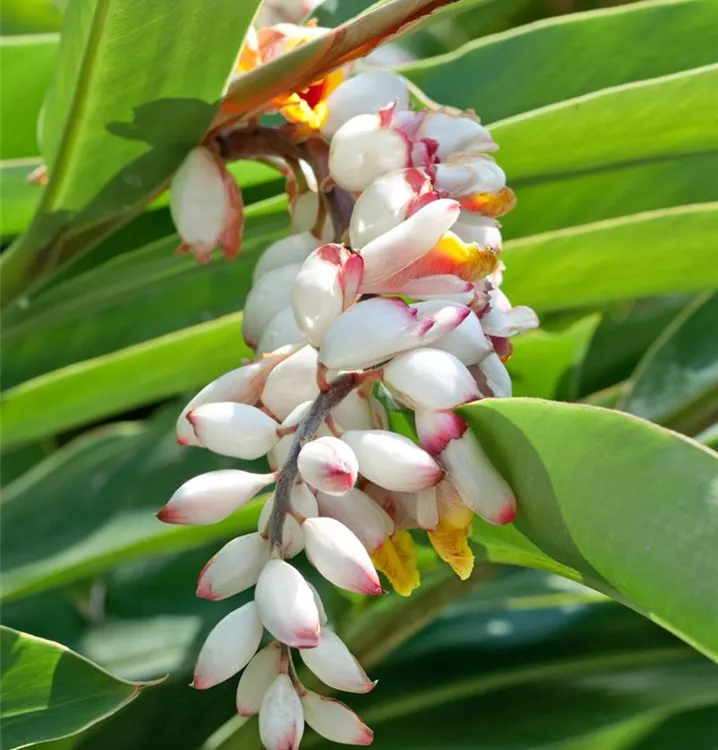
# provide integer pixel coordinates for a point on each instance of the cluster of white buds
(405, 304)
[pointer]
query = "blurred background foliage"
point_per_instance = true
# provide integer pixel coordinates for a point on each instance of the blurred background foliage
(608, 127)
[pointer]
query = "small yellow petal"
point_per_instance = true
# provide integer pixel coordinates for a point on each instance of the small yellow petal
(489, 204)
(452, 546)
(397, 560)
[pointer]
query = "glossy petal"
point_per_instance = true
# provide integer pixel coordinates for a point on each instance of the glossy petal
(282, 330)
(281, 719)
(236, 430)
(270, 294)
(292, 382)
(333, 720)
(466, 342)
(332, 662)
(293, 249)
(258, 675)
(329, 465)
(365, 518)
(229, 647)
(234, 568)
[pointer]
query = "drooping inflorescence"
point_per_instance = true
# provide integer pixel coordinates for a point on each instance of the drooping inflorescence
(388, 289)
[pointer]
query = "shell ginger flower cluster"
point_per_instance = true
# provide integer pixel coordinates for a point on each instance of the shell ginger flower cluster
(404, 307)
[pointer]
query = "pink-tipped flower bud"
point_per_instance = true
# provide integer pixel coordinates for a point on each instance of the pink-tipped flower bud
(234, 568)
(481, 487)
(466, 174)
(430, 379)
(326, 284)
(333, 663)
(291, 383)
(328, 464)
(334, 721)
(258, 675)
(236, 430)
(339, 556)
(286, 605)
(270, 294)
(374, 330)
(466, 342)
(365, 148)
(369, 522)
(393, 461)
(293, 249)
(229, 647)
(241, 386)
(211, 497)
(364, 94)
(281, 719)
(454, 133)
(387, 202)
(206, 206)
(407, 242)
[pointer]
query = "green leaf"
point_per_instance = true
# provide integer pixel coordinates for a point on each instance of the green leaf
(658, 252)
(20, 198)
(571, 55)
(614, 499)
(30, 16)
(133, 298)
(622, 190)
(677, 380)
(570, 137)
(50, 692)
(547, 364)
(91, 505)
(27, 63)
(130, 104)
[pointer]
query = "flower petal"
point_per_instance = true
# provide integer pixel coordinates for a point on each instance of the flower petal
(281, 719)
(292, 382)
(234, 568)
(329, 465)
(333, 720)
(258, 675)
(366, 519)
(271, 293)
(237, 430)
(295, 248)
(332, 662)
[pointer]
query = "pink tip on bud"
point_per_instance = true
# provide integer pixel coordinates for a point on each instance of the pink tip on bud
(328, 464)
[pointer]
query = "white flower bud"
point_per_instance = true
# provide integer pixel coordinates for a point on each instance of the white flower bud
(286, 605)
(365, 148)
(332, 662)
(480, 486)
(373, 330)
(466, 174)
(328, 464)
(303, 502)
(241, 386)
(293, 249)
(454, 133)
(354, 412)
(206, 205)
(406, 243)
(281, 331)
(236, 430)
(430, 379)
(393, 461)
(482, 230)
(502, 320)
(281, 719)
(360, 514)
(387, 202)
(326, 284)
(492, 377)
(210, 497)
(291, 382)
(334, 721)
(363, 94)
(229, 646)
(234, 568)
(258, 675)
(270, 294)
(339, 556)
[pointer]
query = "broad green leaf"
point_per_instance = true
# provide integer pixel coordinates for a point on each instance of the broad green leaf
(26, 63)
(659, 252)
(137, 375)
(130, 299)
(620, 191)
(677, 381)
(626, 331)
(92, 505)
(20, 198)
(547, 364)
(50, 692)
(570, 55)
(123, 110)
(570, 137)
(622, 503)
